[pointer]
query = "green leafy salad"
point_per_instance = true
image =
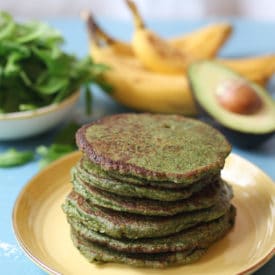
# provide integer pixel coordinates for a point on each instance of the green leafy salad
(35, 71)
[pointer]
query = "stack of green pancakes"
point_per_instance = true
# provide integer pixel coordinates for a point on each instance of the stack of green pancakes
(147, 190)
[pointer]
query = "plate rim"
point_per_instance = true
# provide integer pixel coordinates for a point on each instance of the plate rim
(38, 262)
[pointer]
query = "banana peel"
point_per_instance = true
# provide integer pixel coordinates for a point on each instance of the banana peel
(203, 43)
(258, 69)
(194, 42)
(155, 53)
(143, 90)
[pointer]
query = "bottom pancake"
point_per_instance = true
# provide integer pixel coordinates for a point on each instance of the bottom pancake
(100, 254)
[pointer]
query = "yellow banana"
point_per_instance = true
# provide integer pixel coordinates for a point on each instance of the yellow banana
(258, 69)
(117, 46)
(142, 90)
(154, 52)
(203, 43)
(193, 42)
(157, 55)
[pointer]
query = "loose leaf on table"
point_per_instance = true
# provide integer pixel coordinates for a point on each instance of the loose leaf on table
(12, 157)
(64, 143)
(53, 152)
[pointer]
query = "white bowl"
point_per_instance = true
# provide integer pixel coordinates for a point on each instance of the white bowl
(29, 123)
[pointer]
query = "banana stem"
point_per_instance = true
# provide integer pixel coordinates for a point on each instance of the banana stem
(95, 32)
(138, 21)
(91, 25)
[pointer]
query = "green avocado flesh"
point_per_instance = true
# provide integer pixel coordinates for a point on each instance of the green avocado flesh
(200, 200)
(205, 78)
(200, 236)
(154, 147)
(135, 191)
(97, 253)
(119, 224)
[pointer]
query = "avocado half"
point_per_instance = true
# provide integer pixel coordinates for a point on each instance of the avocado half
(241, 109)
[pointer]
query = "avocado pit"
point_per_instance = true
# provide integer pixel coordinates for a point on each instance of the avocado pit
(237, 96)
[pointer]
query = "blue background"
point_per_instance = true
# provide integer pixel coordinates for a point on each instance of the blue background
(249, 38)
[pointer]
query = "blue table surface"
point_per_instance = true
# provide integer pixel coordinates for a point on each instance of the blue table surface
(249, 38)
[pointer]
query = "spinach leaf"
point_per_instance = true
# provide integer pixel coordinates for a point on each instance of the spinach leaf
(52, 153)
(63, 143)
(12, 157)
(33, 63)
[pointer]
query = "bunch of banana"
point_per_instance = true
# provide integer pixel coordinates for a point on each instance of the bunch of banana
(161, 56)
(146, 75)
(133, 85)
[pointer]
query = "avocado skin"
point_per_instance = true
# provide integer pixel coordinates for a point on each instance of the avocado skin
(237, 138)
(244, 140)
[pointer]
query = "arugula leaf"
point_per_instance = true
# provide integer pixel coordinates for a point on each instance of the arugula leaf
(12, 157)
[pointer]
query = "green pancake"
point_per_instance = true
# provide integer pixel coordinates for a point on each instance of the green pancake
(115, 186)
(200, 236)
(200, 200)
(94, 170)
(154, 147)
(133, 226)
(100, 254)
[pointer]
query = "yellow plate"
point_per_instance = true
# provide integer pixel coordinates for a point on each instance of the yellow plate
(42, 231)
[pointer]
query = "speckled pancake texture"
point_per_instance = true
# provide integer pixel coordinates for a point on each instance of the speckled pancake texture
(148, 190)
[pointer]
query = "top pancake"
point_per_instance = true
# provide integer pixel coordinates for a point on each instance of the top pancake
(154, 147)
